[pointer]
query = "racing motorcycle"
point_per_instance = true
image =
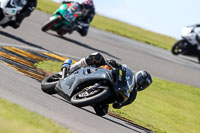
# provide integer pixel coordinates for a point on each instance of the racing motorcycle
(189, 44)
(65, 19)
(9, 9)
(91, 86)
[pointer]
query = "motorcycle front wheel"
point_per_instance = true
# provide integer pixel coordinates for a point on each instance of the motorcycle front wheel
(90, 96)
(178, 47)
(49, 83)
(49, 24)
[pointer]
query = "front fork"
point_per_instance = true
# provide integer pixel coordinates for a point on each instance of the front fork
(63, 73)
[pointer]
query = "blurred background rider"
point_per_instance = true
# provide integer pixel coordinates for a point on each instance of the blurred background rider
(28, 7)
(88, 12)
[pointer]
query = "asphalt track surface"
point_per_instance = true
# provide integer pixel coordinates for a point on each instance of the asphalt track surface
(26, 91)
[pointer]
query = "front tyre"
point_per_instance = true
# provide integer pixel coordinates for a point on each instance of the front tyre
(49, 24)
(49, 83)
(178, 47)
(90, 96)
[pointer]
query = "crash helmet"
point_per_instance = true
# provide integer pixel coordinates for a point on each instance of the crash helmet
(19, 2)
(87, 4)
(142, 79)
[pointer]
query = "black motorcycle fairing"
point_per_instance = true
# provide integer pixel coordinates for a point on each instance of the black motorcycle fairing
(82, 78)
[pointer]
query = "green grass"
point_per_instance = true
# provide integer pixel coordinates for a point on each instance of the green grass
(51, 66)
(117, 27)
(14, 119)
(164, 107)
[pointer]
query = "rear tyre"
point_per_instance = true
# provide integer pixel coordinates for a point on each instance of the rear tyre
(90, 96)
(49, 24)
(49, 83)
(178, 47)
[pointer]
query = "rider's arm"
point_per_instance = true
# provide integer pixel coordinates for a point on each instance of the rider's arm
(91, 15)
(88, 18)
(132, 97)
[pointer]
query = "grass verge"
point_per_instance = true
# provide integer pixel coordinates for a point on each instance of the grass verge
(164, 107)
(14, 119)
(117, 27)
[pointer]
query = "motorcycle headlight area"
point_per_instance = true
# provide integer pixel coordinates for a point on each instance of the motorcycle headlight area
(68, 17)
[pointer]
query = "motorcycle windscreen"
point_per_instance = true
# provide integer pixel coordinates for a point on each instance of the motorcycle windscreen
(125, 82)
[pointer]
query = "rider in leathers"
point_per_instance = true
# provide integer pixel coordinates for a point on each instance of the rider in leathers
(88, 12)
(142, 78)
(28, 8)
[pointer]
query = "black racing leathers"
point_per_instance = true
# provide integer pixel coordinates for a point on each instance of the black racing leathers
(88, 16)
(84, 22)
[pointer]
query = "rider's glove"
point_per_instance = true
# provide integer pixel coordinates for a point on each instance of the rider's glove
(117, 105)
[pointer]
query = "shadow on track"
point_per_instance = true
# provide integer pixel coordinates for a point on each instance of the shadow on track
(87, 110)
(111, 120)
(84, 45)
(22, 40)
(191, 60)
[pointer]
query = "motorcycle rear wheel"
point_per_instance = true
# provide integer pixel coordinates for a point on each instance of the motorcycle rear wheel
(49, 24)
(88, 97)
(49, 83)
(176, 49)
